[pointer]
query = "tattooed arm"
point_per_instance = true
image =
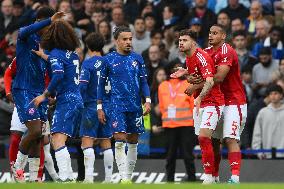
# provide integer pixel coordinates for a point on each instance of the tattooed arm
(209, 83)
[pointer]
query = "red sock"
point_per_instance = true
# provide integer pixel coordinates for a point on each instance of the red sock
(207, 154)
(217, 160)
(41, 164)
(235, 159)
(15, 139)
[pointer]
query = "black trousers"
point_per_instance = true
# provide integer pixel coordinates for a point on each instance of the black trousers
(183, 140)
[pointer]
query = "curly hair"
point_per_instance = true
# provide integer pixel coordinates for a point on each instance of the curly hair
(60, 35)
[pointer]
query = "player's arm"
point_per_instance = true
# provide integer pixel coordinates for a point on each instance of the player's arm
(33, 28)
(8, 77)
(144, 86)
(101, 91)
(209, 83)
(224, 66)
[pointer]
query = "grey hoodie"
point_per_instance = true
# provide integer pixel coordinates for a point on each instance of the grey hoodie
(269, 130)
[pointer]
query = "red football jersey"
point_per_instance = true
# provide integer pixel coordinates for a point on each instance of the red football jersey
(201, 64)
(232, 86)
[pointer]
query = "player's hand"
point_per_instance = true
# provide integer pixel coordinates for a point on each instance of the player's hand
(197, 103)
(194, 79)
(37, 100)
(36, 6)
(40, 53)
(179, 72)
(57, 16)
(147, 108)
(10, 97)
(85, 21)
(190, 90)
(101, 116)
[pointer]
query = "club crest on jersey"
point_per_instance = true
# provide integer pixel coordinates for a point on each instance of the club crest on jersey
(98, 63)
(31, 111)
(114, 124)
(134, 64)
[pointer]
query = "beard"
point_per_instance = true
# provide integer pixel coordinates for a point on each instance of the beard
(266, 64)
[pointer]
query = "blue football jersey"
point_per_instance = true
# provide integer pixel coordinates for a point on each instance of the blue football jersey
(31, 68)
(89, 78)
(128, 80)
(65, 75)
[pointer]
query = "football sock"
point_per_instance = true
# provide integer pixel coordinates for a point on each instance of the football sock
(48, 163)
(131, 158)
(120, 158)
(33, 168)
(108, 164)
(89, 160)
(207, 154)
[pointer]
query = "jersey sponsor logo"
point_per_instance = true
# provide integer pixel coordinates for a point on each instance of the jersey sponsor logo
(68, 54)
(98, 64)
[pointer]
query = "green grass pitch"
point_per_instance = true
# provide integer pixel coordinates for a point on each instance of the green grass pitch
(139, 186)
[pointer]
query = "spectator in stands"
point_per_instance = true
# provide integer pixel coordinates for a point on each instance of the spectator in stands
(104, 28)
(255, 15)
(154, 62)
(116, 3)
(224, 20)
(96, 18)
(64, 6)
(150, 21)
(170, 17)
(18, 8)
(158, 77)
(8, 47)
(176, 109)
(262, 72)
(156, 39)
(279, 13)
(246, 76)
(147, 8)
(268, 130)
(83, 18)
(195, 25)
(7, 20)
(141, 38)
(279, 74)
(236, 10)
(77, 6)
(237, 25)
(244, 55)
(262, 28)
(117, 17)
(273, 41)
(208, 17)
(254, 107)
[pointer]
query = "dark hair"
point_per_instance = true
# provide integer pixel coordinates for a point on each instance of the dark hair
(274, 88)
(223, 29)
(119, 30)
(192, 34)
(154, 32)
(108, 37)
(44, 13)
(149, 14)
(241, 20)
(265, 51)
(275, 28)
(155, 84)
(240, 33)
(95, 41)
(60, 35)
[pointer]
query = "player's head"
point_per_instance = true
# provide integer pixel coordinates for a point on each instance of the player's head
(187, 40)
(275, 93)
(95, 42)
(60, 35)
(123, 39)
(42, 14)
(217, 35)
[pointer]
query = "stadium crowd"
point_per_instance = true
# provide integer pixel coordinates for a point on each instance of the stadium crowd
(254, 29)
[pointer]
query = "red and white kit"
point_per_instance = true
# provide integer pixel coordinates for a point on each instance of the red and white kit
(211, 108)
(235, 110)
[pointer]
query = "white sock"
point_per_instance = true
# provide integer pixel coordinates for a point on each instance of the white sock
(131, 159)
(63, 158)
(235, 178)
(108, 163)
(21, 161)
(48, 162)
(89, 161)
(33, 168)
(120, 158)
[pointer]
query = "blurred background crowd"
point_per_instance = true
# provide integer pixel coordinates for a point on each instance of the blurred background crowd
(254, 29)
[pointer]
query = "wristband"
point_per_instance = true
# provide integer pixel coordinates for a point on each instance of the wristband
(99, 106)
(148, 100)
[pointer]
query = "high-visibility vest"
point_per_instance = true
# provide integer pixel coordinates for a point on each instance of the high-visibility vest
(176, 107)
